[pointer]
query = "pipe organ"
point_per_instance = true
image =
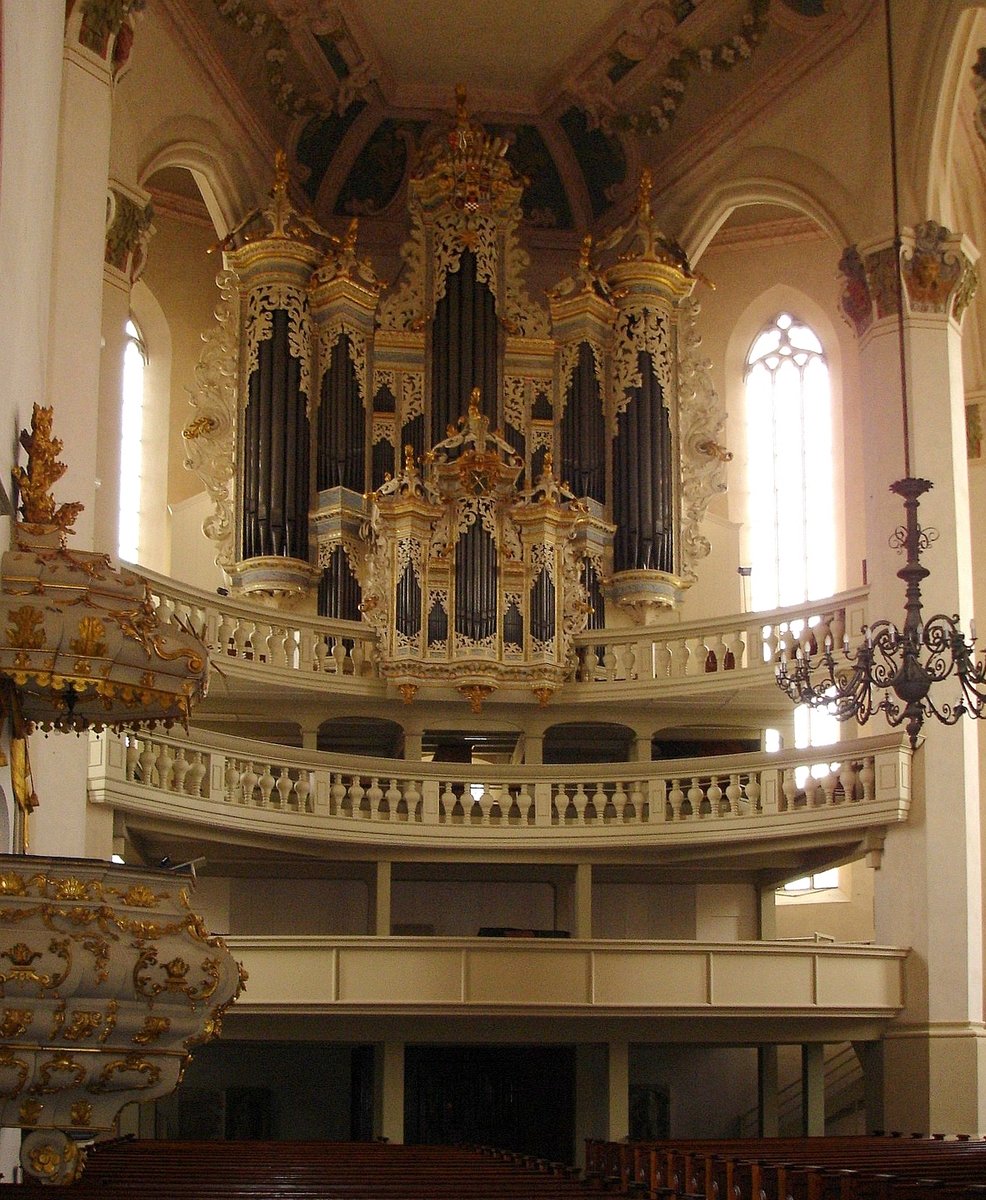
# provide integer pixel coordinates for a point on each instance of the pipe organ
(476, 475)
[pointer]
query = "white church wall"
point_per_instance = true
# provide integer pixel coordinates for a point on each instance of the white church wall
(298, 906)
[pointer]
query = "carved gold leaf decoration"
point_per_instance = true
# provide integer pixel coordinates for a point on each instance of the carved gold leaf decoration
(81, 1112)
(42, 473)
(15, 1021)
(153, 1028)
(23, 628)
(91, 640)
(83, 1025)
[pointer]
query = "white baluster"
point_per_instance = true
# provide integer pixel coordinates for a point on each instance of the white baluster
(679, 658)
(447, 802)
(337, 796)
(266, 785)
(338, 657)
(790, 789)
(231, 778)
(867, 778)
(714, 794)
(811, 791)
(132, 757)
(196, 774)
(847, 777)
(412, 800)
(597, 810)
(676, 798)
(752, 790)
(580, 802)
(392, 799)
(374, 798)
(827, 784)
(283, 786)
(250, 778)
(303, 791)
(147, 758)
(354, 797)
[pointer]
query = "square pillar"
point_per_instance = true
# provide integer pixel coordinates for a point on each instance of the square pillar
(768, 1115)
(813, 1089)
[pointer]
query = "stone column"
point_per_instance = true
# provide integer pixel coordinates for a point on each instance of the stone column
(382, 899)
(768, 1110)
(390, 1092)
(619, 1090)
(30, 79)
(929, 887)
(583, 900)
(93, 56)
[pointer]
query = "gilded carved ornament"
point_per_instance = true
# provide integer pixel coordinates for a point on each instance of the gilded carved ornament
(81, 644)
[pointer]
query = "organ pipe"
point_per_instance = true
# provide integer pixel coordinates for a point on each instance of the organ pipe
(583, 431)
(275, 430)
(642, 479)
(341, 425)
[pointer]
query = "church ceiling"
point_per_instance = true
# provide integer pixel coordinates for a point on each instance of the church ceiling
(351, 88)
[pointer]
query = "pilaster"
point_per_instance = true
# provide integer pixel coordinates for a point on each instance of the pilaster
(929, 887)
(97, 40)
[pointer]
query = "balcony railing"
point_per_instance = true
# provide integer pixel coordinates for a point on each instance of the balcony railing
(274, 645)
(751, 980)
(235, 783)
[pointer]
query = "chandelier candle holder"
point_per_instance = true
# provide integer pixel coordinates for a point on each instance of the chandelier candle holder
(893, 670)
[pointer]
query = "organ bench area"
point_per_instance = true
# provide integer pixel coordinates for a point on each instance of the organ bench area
(476, 476)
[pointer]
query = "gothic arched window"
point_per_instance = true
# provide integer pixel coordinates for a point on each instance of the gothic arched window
(131, 448)
(789, 439)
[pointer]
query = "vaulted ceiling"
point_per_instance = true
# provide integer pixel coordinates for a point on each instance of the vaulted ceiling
(351, 88)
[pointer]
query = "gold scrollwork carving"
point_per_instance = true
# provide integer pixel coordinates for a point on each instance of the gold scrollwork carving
(22, 957)
(175, 977)
(111, 1011)
(107, 1080)
(61, 1064)
(10, 1062)
(30, 1112)
(153, 1028)
(83, 1025)
(15, 1022)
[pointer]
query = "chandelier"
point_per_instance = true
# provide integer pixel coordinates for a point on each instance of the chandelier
(893, 670)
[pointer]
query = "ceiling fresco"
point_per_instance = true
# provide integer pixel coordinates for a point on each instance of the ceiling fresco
(583, 90)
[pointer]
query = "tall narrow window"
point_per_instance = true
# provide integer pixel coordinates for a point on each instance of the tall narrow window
(789, 439)
(789, 435)
(131, 449)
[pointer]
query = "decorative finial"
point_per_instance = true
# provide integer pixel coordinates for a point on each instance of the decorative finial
(585, 253)
(42, 473)
(644, 189)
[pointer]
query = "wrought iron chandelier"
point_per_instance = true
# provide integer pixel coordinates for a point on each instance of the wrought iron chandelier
(893, 670)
